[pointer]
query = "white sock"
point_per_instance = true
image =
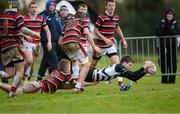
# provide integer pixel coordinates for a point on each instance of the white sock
(16, 81)
(28, 69)
(75, 70)
(78, 85)
(121, 85)
(119, 79)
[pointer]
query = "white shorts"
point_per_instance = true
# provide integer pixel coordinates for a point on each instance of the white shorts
(87, 48)
(112, 50)
(13, 56)
(75, 52)
(28, 46)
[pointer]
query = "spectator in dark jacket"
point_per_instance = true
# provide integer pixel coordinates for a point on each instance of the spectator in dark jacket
(167, 46)
(50, 57)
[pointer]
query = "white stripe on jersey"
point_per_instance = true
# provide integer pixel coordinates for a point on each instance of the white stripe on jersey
(106, 74)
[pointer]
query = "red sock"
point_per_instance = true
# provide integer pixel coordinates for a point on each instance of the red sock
(13, 89)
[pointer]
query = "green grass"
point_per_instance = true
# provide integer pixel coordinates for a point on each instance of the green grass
(147, 96)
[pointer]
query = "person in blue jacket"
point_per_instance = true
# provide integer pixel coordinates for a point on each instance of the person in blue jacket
(50, 57)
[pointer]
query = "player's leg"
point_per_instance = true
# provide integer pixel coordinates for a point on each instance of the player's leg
(31, 87)
(9, 67)
(114, 58)
(18, 59)
(29, 62)
(17, 78)
(81, 55)
(82, 75)
(36, 52)
(5, 87)
(75, 68)
(95, 59)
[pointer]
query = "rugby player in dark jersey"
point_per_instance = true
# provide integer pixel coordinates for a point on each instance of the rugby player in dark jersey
(58, 78)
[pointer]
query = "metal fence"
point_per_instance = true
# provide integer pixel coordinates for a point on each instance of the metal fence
(161, 50)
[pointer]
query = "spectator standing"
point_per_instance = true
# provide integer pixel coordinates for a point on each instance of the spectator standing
(50, 57)
(167, 46)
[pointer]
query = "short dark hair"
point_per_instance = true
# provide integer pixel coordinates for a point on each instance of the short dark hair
(127, 59)
(113, 1)
(63, 7)
(78, 14)
(170, 11)
(82, 5)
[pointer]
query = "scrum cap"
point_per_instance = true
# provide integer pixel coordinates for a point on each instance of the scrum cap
(13, 4)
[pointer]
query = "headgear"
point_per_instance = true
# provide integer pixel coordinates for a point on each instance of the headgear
(13, 4)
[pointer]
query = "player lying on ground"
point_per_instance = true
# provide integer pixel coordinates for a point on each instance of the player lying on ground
(58, 77)
(121, 69)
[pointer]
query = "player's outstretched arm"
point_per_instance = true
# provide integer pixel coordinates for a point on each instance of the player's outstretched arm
(136, 75)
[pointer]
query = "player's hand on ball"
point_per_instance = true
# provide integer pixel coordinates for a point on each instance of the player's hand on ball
(149, 67)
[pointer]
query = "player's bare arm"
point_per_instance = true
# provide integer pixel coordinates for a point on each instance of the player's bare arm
(60, 42)
(29, 32)
(28, 38)
(119, 32)
(90, 40)
(99, 35)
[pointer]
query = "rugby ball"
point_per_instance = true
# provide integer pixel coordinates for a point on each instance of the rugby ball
(151, 70)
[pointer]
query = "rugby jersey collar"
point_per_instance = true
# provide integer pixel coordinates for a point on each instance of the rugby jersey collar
(106, 13)
(32, 17)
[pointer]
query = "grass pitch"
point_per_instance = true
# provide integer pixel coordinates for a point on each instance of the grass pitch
(147, 96)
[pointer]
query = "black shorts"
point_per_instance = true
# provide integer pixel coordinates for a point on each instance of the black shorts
(90, 77)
